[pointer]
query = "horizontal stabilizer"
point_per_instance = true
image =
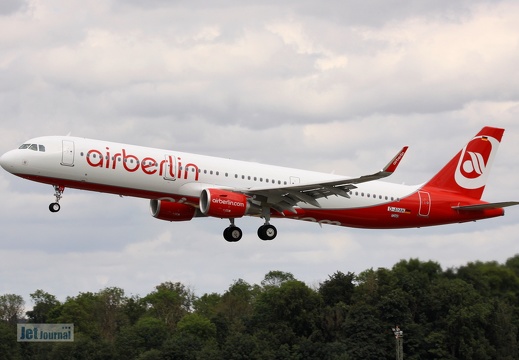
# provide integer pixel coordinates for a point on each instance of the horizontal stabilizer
(497, 205)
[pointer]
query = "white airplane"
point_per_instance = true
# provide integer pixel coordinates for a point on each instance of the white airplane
(182, 186)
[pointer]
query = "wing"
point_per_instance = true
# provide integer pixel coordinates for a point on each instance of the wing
(286, 197)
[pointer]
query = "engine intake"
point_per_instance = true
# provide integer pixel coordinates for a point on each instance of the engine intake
(171, 211)
(223, 203)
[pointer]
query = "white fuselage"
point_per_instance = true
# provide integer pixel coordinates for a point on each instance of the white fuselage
(132, 170)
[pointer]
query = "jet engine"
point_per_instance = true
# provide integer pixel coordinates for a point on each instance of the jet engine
(171, 211)
(223, 204)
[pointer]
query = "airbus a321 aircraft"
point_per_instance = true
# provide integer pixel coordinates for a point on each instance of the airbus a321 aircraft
(181, 186)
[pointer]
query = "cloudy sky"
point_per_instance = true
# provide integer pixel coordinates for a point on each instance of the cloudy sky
(338, 86)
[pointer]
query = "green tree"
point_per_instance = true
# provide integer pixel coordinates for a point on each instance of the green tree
(240, 346)
(147, 334)
(195, 336)
(80, 310)
(491, 279)
(110, 303)
(9, 347)
(292, 304)
(153, 354)
(11, 308)
(169, 302)
(513, 263)
(236, 305)
(339, 287)
(364, 334)
(207, 305)
(133, 308)
(152, 332)
(458, 316)
(83, 347)
(44, 303)
(276, 278)
(502, 331)
(198, 326)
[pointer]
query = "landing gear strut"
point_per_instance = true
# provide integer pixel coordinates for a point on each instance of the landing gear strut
(232, 233)
(58, 193)
(267, 231)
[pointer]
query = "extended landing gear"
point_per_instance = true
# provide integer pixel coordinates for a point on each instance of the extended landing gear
(267, 232)
(232, 233)
(58, 193)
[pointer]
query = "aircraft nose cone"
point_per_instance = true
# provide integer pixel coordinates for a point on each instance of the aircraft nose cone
(3, 161)
(7, 161)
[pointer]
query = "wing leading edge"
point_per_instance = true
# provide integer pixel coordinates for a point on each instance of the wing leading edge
(286, 197)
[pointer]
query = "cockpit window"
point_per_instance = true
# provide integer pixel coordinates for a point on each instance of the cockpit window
(34, 147)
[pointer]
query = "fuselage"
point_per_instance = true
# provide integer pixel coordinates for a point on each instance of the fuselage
(180, 177)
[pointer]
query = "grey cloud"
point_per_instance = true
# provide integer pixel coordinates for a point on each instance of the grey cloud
(8, 7)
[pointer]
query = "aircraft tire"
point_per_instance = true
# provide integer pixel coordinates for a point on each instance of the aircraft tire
(54, 207)
(267, 232)
(232, 234)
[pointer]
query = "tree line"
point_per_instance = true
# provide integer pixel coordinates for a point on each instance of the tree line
(470, 312)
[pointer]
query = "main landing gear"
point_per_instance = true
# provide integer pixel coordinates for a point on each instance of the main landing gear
(265, 232)
(58, 193)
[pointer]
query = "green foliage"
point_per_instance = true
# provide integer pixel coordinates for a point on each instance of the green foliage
(276, 278)
(338, 288)
(466, 313)
(292, 304)
(169, 303)
(198, 326)
(43, 304)
(9, 349)
(11, 308)
(207, 305)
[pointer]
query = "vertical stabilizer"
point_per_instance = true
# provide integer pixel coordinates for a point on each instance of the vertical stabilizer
(468, 171)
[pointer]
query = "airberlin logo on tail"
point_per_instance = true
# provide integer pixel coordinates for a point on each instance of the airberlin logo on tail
(475, 166)
(475, 161)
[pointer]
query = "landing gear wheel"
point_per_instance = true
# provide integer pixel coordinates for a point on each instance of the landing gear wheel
(267, 232)
(54, 207)
(58, 194)
(232, 234)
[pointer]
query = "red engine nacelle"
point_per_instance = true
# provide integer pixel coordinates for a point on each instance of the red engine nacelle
(171, 211)
(223, 204)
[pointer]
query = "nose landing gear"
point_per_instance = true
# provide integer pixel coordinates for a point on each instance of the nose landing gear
(58, 193)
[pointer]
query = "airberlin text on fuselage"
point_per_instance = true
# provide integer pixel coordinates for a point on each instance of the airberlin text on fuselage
(148, 165)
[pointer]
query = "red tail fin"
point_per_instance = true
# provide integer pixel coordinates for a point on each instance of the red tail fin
(467, 172)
